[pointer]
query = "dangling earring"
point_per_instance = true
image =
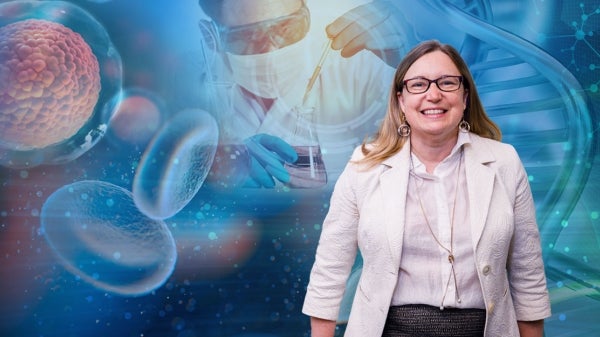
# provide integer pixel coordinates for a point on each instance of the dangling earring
(464, 126)
(404, 129)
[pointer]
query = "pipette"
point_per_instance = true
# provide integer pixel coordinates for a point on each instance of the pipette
(317, 70)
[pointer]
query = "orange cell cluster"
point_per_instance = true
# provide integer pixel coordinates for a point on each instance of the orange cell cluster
(49, 83)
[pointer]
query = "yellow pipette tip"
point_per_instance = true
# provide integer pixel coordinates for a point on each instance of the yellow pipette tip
(317, 71)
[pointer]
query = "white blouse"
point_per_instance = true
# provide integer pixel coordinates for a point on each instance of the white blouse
(425, 273)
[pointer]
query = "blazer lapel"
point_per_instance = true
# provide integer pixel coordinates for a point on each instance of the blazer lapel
(394, 184)
(480, 185)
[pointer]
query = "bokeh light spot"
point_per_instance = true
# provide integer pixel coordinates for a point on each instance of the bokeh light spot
(138, 116)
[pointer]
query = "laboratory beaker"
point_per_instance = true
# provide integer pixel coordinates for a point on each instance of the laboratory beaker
(309, 170)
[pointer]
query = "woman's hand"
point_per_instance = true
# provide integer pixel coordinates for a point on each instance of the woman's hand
(531, 328)
(321, 327)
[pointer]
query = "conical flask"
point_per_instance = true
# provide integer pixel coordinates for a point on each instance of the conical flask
(309, 170)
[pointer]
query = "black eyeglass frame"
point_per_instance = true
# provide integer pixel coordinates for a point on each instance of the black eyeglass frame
(459, 77)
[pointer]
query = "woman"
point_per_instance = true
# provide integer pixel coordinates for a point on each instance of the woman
(442, 214)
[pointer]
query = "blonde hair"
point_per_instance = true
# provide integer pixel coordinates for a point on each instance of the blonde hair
(388, 142)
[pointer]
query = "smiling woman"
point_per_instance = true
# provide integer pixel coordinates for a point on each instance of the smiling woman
(451, 206)
(82, 256)
(433, 114)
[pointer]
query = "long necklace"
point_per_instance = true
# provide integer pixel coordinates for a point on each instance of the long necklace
(450, 250)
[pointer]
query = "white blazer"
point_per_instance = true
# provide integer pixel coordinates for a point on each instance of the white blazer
(367, 213)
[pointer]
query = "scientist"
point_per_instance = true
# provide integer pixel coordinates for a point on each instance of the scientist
(268, 50)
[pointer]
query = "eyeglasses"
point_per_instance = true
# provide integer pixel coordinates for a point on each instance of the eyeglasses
(419, 85)
(261, 37)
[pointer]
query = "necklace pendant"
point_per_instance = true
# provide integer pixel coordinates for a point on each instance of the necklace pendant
(451, 258)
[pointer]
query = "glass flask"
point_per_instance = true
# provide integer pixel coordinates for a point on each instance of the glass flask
(309, 170)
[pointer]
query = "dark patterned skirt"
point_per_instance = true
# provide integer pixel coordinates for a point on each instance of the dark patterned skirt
(419, 320)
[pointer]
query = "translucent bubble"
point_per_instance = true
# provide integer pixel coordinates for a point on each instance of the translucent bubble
(99, 235)
(55, 85)
(175, 164)
(138, 114)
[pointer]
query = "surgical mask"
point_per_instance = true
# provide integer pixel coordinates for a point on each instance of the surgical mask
(273, 74)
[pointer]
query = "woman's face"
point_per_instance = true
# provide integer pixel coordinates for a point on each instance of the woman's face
(435, 114)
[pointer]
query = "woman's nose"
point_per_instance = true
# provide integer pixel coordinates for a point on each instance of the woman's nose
(433, 93)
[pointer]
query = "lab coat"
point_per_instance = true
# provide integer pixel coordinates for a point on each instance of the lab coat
(350, 97)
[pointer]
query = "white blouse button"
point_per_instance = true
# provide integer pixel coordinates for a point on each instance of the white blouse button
(486, 270)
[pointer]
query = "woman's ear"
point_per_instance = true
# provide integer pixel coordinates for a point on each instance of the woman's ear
(465, 98)
(400, 99)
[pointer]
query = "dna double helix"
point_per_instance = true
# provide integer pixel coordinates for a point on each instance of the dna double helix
(542, 111)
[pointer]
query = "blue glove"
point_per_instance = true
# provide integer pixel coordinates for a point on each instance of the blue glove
(378, 26)
(267, 156)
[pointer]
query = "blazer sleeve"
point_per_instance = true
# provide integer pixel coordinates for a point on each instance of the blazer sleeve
(336, 251)
(525, 264)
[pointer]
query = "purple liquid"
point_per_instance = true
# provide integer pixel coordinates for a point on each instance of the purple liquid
(309, 170)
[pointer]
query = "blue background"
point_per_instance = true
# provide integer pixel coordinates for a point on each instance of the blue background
(243, 266)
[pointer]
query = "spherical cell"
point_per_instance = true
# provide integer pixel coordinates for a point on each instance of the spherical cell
(49, 83)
